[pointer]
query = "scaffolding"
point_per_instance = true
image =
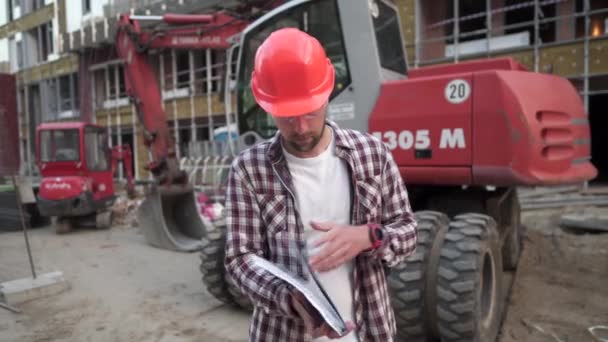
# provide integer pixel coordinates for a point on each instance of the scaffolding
(491, 37)
(191, 81)
(186, 84)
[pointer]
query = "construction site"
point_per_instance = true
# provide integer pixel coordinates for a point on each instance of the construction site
(122, 120)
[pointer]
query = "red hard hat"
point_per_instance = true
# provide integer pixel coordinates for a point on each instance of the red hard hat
(292, 74)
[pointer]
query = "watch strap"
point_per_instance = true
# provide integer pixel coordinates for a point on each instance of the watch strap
(376, 235)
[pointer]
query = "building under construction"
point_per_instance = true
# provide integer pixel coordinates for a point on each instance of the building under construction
(67, 68)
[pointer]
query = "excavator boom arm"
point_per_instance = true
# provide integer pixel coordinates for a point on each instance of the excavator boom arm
(168, 215)
(142, 87)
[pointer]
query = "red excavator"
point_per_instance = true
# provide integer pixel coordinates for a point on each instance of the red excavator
(464, 136)
(77, 169)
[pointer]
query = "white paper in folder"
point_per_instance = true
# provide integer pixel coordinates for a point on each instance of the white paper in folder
(312, 291)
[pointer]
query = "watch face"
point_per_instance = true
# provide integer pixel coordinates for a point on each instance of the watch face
(378, 235)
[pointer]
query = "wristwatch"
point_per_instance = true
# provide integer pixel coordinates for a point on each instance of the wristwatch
(376, 235)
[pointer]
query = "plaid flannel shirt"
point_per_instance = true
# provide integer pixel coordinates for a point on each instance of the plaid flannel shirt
(261, 219)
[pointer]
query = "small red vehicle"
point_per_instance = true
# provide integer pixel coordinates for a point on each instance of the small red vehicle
(77, 167)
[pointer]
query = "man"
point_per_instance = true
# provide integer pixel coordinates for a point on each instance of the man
(337, 193)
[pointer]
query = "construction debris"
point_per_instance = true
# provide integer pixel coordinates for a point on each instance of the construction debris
(125, 211)
(538, 328)
(526, 193)
(585, 221)
(565, 202)
(604, 328)
(545, 198)
(596, 190)
(10, 219)
(9, 308)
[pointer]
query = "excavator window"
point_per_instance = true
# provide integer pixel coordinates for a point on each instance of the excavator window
(97, 153)
(388, 37)
(320, 19)
(59, 145)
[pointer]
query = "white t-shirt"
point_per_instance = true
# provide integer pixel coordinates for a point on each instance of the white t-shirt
(322, 190)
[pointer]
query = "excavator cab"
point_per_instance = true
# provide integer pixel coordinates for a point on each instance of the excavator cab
(362, 39)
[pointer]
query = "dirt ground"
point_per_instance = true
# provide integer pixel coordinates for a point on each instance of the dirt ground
(121, 289)
(561, 285)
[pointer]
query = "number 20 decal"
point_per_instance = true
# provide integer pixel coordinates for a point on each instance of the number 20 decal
(457, 91)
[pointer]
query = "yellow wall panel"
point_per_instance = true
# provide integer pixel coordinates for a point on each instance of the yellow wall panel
(28, 21)
(182, 108)
(125, 113)
(101, 118)
(179, 108)
(64, 65)
(126, 118)
(563, 60)
(218, 106)
(598, 56)
(526, 58)
(200, 105)
(142, 156)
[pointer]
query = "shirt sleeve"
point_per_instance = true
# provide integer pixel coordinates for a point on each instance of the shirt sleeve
(398, 222)
(245, 237)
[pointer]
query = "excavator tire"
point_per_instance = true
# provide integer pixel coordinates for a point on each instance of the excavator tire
(412, 283)
(103, 220)
(213, 270)
(469, 282)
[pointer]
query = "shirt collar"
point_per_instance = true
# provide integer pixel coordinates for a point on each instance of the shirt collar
(275, 151)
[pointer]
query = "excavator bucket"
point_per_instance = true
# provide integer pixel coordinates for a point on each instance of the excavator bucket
(169, 218)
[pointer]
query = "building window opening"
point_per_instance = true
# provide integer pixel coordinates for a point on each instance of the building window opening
(45, 36)
(598, 18)
(519, 18)
(598, 121)
(182, 66)
(10, 4)
(115, 76)
(86, 6)
(471, 20)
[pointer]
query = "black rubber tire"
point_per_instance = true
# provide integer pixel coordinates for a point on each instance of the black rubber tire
(10, 216)
(104, 220)
(408, 282)
(10, 219)
(469, 287)
(212, 267)
(35, 218)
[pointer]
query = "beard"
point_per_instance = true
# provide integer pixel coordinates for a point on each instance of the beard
(305, 142)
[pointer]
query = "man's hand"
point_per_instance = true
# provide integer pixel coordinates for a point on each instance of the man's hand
(313, 322)
(341, 244)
